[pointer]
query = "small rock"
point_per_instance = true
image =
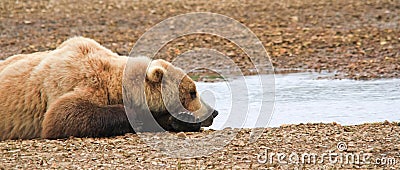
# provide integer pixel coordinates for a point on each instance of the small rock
(347, 129)
(227, 128)
(386, 122)
(285, 125)
(294, 18)
(181, 135)
(27, 22)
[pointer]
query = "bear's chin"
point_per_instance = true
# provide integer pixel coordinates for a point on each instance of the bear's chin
(209, 120)
(187, 122)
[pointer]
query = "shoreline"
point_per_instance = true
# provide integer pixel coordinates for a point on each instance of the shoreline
(129, 151)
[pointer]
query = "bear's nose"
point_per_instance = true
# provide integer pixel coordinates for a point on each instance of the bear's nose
(215, 113)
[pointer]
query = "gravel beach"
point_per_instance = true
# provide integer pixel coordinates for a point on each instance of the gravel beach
(354, 39)
(380, 142)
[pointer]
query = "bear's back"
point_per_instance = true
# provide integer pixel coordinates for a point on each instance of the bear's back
(29, 83)
(15, 76)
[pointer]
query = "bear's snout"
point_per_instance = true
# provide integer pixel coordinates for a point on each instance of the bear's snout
(208, 122)
(214, 114)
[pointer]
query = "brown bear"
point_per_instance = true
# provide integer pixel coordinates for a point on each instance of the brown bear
(76, 90)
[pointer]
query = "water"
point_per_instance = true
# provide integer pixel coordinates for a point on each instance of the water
(302, 98)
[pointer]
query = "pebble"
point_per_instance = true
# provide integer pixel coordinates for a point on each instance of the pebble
(181, 135)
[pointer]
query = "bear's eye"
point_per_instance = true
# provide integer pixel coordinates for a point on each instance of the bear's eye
(193, 94)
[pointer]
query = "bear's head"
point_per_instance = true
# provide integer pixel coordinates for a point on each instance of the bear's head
(158, 87)
(169, 88)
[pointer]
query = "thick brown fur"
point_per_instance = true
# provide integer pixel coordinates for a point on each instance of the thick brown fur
(76, 90)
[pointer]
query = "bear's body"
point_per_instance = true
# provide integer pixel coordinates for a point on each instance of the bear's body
(74, 90)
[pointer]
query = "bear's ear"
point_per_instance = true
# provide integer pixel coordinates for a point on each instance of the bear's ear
(155, 73)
